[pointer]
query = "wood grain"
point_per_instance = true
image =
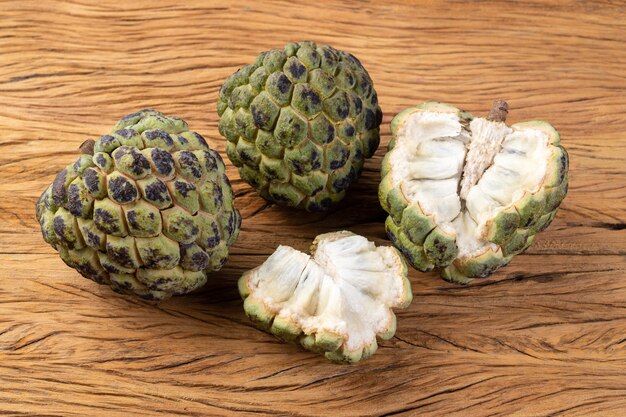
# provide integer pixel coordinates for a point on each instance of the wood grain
(545, 336)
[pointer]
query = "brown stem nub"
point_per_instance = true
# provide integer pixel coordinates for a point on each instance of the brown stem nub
(498, 111)
(87, 147)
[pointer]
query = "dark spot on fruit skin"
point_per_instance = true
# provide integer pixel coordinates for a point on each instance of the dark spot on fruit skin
(260, 118)
(132, 220)
(311, 96)
(107, 140)
(358, 105)
(90, 176)
(105, 221)
(126, 133)
(120, 255)
(217, 156)
(133, 115)
(74, 203)
(358, 155)
(139, 165)
(330, 134)
(122, 190)
(157, 191)
(182, 140)
(218, 195)
(370, 119)
(101, 161)
(59, 193)
(59, 227)
(214, 240)
(317, 190)
(343, 111)
(296, 69)
(280, 198)
(92, 239)
(374, 99)
(201, 140)
(341, 184)
(231, 223)
(159, 134)
(349, 130)
(355, 60)
(190, 161)
(379, 117)
(163, 161)
(153, 257)
(183, 187)
(343, 157)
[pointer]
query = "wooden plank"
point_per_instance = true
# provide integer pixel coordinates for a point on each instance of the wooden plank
(543, 337)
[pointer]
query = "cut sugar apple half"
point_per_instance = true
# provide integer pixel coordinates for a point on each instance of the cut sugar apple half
(466, 194)
(336, 301)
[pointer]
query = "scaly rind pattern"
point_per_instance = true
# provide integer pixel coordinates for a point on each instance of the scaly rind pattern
(299, 123)
(332, 345)
(427, 247)
(150, 213)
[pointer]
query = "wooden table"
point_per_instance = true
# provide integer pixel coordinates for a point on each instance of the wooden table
(545, 336)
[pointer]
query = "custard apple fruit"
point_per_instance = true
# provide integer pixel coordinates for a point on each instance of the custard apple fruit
(146, 209)
(336, 301)
(299, 123)
(466, 194)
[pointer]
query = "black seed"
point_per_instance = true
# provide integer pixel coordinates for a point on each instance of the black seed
(59, 193)
(74, 203)
(370, 119)
(126, 133)
(163, 161)
(122, 190)
(183, 187)
(157, 191)
(159, 134)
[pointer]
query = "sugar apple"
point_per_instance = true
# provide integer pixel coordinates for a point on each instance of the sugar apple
(299, 123)
(336, 301)
(467, 194)
(146, 209)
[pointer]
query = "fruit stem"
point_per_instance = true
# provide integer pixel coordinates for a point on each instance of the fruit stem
(498, 111)
(87, 147)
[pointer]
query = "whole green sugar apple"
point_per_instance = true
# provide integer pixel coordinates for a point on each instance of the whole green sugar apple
(146, 209)
(465, 194)
(299, 123)
(336, 301)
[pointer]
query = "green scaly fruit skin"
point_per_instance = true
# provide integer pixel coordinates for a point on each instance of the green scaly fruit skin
(427, 247)
(328, 343)
(150, 213)
(299, 123)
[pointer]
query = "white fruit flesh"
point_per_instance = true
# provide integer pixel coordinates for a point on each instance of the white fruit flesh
(347, 287)
(465, 175)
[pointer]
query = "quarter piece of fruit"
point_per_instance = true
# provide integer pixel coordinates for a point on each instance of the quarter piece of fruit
(146, 209)
(465, 194)
(336, 301)
(299, 123)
